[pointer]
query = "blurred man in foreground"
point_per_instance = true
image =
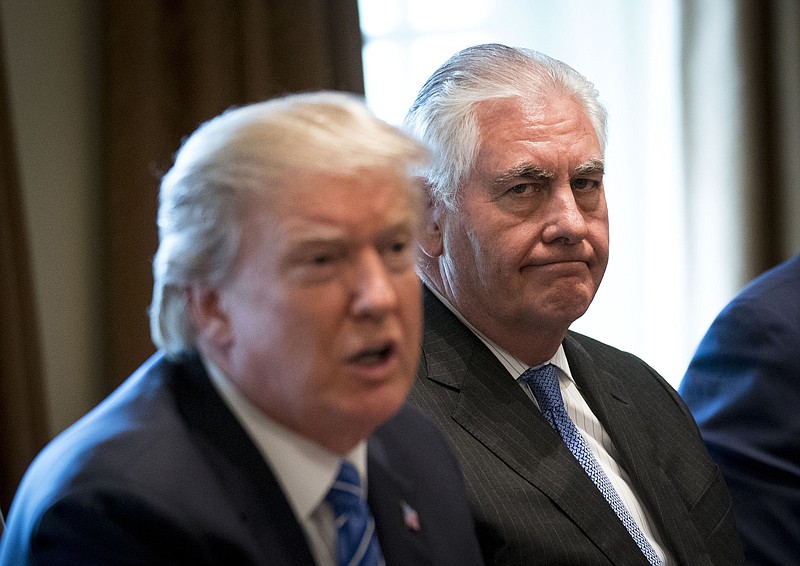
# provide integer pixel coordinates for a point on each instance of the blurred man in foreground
(287, 313)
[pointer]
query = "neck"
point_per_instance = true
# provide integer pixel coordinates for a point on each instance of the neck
(532, 342)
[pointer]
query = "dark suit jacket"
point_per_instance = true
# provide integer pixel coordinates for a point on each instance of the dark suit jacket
(162, 473)
(743, 386)
(533, 502)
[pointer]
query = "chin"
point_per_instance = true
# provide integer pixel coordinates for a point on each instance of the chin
(567, 302)
(561, 316)
(383, 407)
(347, 424)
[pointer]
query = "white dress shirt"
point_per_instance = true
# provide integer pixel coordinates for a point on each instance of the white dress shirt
(304, 470)
(587, 423)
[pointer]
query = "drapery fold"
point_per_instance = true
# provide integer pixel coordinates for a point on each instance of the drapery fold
(23, 419)
(740, 63)
(169, 66)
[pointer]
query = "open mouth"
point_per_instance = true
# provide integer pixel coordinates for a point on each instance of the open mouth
(374, 356)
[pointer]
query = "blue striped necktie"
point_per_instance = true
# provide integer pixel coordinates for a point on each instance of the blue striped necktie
(543, 382)
(357, 543)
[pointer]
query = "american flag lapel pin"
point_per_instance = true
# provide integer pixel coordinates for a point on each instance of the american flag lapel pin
(410, 517)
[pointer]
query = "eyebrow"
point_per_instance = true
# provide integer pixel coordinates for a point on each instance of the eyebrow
(527, 171)
(524, 171)
(334, 235)
(591, 167)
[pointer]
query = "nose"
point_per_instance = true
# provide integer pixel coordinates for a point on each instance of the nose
(375, 294)
(565, 220)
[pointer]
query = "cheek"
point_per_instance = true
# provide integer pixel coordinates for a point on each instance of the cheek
(316, 332)
(599, 239)
(600, 247)
(476, 248)
(501, 256)
(409, 292)
(291, 335)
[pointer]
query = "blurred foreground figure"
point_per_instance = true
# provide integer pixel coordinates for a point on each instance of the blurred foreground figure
(287, 313)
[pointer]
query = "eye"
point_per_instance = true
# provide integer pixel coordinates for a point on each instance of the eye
(398, 247)
(398, 253)
(584, 184)
(314, 261)
(522, 188)
(320, 259)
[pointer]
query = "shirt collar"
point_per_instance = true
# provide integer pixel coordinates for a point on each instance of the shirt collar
(513, 364)
(304, 470)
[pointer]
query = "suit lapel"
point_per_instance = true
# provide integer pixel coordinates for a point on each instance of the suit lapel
(497, 413)
(638, 450)
(392, 499)
(612, 405)
(240, 468)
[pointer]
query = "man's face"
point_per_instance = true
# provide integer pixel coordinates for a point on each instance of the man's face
(528, 244)
(324, 310)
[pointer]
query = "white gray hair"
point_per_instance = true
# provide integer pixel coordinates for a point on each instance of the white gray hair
(444, 112)
(245, 151)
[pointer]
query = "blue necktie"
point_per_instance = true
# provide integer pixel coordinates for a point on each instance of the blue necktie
(357, 543)
(543, 382)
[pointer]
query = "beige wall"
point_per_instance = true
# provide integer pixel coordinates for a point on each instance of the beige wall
(53, 67)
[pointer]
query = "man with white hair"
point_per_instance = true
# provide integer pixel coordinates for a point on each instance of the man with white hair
(271, 426)
(573, 451)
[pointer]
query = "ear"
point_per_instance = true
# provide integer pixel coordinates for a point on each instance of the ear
(210, 319)
(430, 237)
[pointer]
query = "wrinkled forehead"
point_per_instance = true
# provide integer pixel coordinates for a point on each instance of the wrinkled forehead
(531, 111)
(510, 128)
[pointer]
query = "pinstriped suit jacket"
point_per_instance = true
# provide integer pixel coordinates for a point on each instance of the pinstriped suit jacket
(533, 502)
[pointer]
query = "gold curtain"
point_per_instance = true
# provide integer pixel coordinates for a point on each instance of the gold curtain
(170, 65)
(23, 422)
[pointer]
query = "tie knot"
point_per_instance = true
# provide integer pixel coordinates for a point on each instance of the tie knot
(346, 494)
(543, 382)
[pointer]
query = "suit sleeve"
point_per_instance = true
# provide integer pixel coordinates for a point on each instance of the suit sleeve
(743, 388)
